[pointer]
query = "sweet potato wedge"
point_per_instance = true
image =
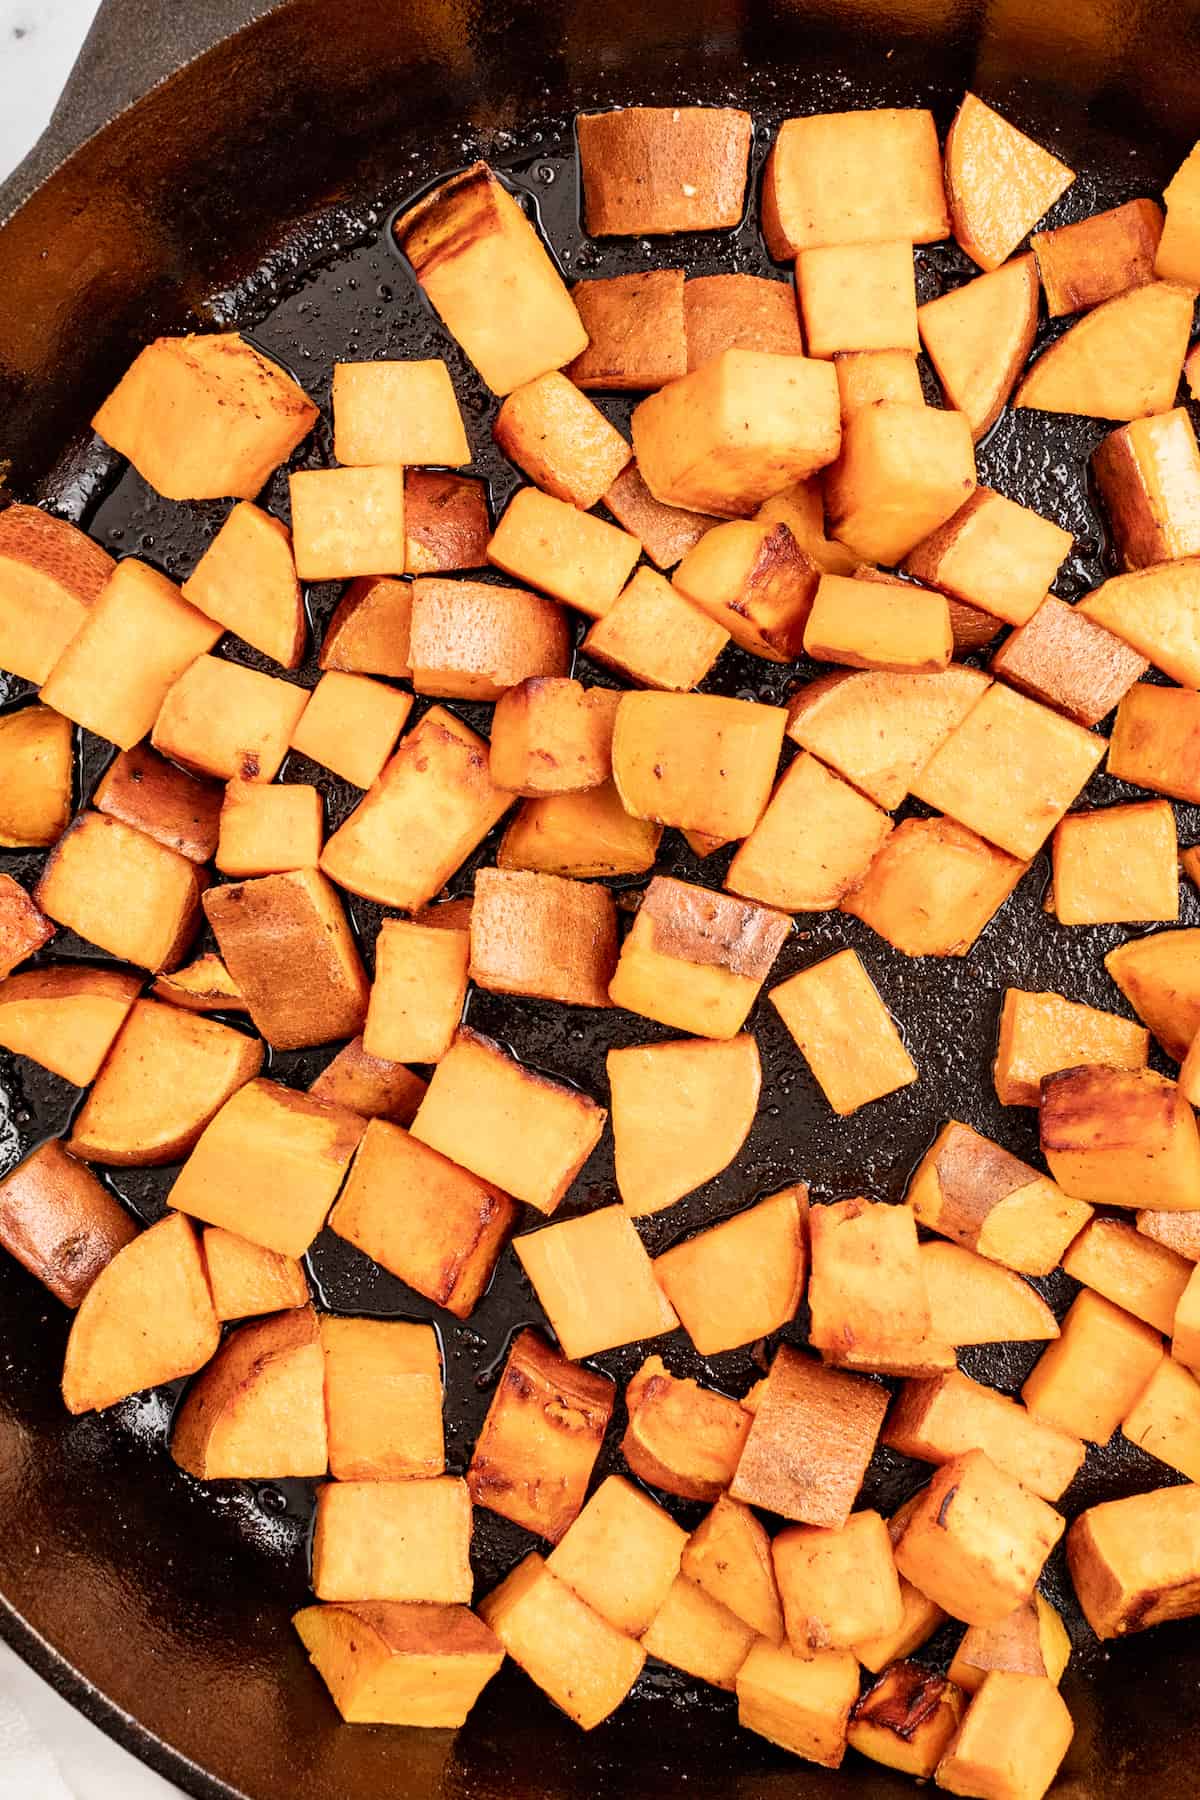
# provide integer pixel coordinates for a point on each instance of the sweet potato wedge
(813, 844)
(812, 1436)
(974, 1301)
(902, 472)
(697, 761)
(635, 324)
(1042, 1033)
(844, 1032)
(37, 761)
(1062, 658)
(880, 729)
(666, 533)
(752, 579)
(123, 891)
(1121, 361)
(681, 1111)
(1105, 1132)
(257, 1413)
(387, 1662)
(397, 412)
(656, 637)
(579, 835)
(696, 960)
(369, 1085)
(167, 1074)
(60, 1222)
(980, 1195)
(581, 1662)
(595, 1282)
(351, 724)
(1096, 259)
(1134, 1562)
(651, 170)
(729, 1556)
(742, 1279)
(854, 178)
(487, 274)
(369, 631)
(682, 1438)
(564, 443)
(24, 928)
(51, 574)
(978, 338)
(66, 1016)
(1178, 257)
(203, 986)
(180, 811)
(933, 887)
(246, 1280)
(147, 1318)
(1159, 975)
(998, 181)
(246, 581)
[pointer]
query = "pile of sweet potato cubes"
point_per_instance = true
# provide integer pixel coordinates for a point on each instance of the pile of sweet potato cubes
(789, 489)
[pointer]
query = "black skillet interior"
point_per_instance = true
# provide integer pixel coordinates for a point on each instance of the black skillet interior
(255, 191)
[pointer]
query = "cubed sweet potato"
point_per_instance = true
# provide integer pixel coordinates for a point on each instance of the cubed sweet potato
(383, 1399)
(976, 1540)
(994, 555)
(871, 625)
(932, 887)
(397, 412)
(701, 762)
(651, 170)
(948, 1415)
(268, 1166)
(123, 891)
(1185, 1326)
(65, 1016)
(445, 1237)
(729, 1556)
(1178, 1230)
(801, 507)
(1011, 1742)
(813, 1434)
(1086, 1382)
(580, 1661)
(551, 735)
(24, 928)
(51, 574)
(393, 1540)
(621, 1555)
(579, 835)
(813, 844)
(696, 960)
(739, 312)
(1116, 865)
(246, 1280)
(1042, 1034)
(666, 533)
(287, 943)
(802, 1703)
(556, 436)
(975, 1301)
(1178, 257)
(903, 471)
(369, 631)
(865, 1286)
(858, 297)
(880, 729)
(867, 377)
(133, 644)
(693, 1632)
(167, 1074)
(1164, 1420)
(348, 522)
(386, 1662)
(837, 1585)
(351, 724)
(1155, 740)
(973, 1191)
(487, 274)
(60, 1222)
(268, 828)
(998, 181)
(844, 1032)
(37, 761)
(1160, 977)
(1097, 258)
(1155, 611)
(369, 1085)
(434, 802)
(1121, 361)
(735, 431)
(655, 636)
(447, 526)
(906, 1720)
(418, 993)
(742, 1279)
(920, 1617)
(752, 579)
(681, 1437)
(595, 1282)
(1031, 1641)
(147, 1318)
(978, 337)
(854, 178)
(534, 1456)
(574, 556)
(1010, 770)
(246, 581)
(1106, 1132)
(1136, 1562)
(223, 719)
(1148, 474)
(178, 810)
(681, 1111)
(257, 1413)
(202, 417)
(543, 936)
(1064, 659)
(635, 324)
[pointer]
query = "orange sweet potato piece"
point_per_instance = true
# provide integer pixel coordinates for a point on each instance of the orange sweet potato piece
(247, 1280)
(351, 724)
(998, 182)
(1086, 1382)
(654, 636)
(742, 1279)
(258, 1411)
(1105, 1132)
(1062, 658)
(844, 1032)
(223, 719)
(1178, 257)
(246, 580)
(906, 1719)
(739, 312)
(397, 412)
(447, 526)
(681, 1111)
(394, 1662)
(814, 843)
(24, 929)
(812, 1437)
(621, 1555)
(752, 578)
(666, 533)
(1041, 1033)
(975, 1301)
(993, 554)
(1032, 1641)
(1148, 473)
(584, 1664)
(1120, 361)
(267, 827)
(1012, 1740)
(650, 170)
(595, 1282)
(383, 1399)
(205, 985)
(636, 327)
(393, 1540)
(1095, 259)
(902, 472)
(551, 735)
(369, 631)
(561, 440)
(418, 992)
(543, 936)
(1135, 1562)
(879, 729)
(65, 1016)
(370, 1086)
(932, 888)
(122, 891)
(838, 1586)
(1159, 975)
(866, 1289)
(37, 760)
(854, 178)
(178, 810)
(60, 1222)
(579, 835)
(978, 338)
(682, 1438)
(1117, 864)
(950, 1415)
(872, 625)
(858, 297)
(348, 522)
(574, 556)
(802, 1703)
(1148, 1279)
(697, 761)
(51, 574)
(865, 377)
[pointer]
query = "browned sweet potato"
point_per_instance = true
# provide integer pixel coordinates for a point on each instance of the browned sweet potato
(595, 1282)
(879, 729)
(123, 891)
(1041, 1033)
(1121, 361)
(258, 1411)
(753, 579)
(447, 526)
(551, 735)
(739, 312)
(978, 337)
(369, 1085)
(844, 1032)
(584, 1664)
(267, 827)
(60, 1222)
(65, 1016)
(222, 719)
(397, 412)
(866, 1289)
(575, 556)
(247, 1280)
(1032, 1641)
(351, 724)
(393, 1540)
(178, 810)
(543, 936)
(666, 533)
(561, 440)
(24, 929)
(391, 1662)
(1012, 1741)
(870, 625)
(473, 641)
(655, 636)
(907, 1719)
(636, 327)
(1134, 1562)
(1178, 257)
(246, 581)
(1105, 1132)
(813, 1435)
(418, 992)
(1117, 864)
(1097, 258)
(348, 522)
(579, 835)
(50, 576)
(621, 1555)
(854, 178)
(867, 377)
(742, 1279)
(813, 844)
(37, 760)
(858, 297)
(651, 170)
(933, 887)
(993, 554)
(1086, 1382)
(1061, 657)
(682, 1438)
(902, 472)
(1148, 473)
(698, 761)
(383, 1399)
(1159, 975)
(203, 986)
(369, 631)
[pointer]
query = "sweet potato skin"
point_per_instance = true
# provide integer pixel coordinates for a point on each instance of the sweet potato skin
(636, 327)
(1083, 264)
(1065, 660)
(60, 1222)
(653, 170)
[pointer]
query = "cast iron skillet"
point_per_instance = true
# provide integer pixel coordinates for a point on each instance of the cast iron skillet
(253, 188)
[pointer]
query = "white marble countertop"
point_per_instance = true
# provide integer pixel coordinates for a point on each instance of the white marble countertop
(48, 1751)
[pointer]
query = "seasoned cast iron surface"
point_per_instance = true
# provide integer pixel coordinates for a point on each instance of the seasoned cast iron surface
(336, 289)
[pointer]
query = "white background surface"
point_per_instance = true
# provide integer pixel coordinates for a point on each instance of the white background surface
(48, 1751)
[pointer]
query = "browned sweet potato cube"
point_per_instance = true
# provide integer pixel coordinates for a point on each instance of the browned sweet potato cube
(741, 1279)
(289, 947)
(1153, 610)
(1059, 656)
(580, 1661)
(1164, 1420)
(666, 533)
(383, 1399)
(654, 636)
(970, 1189)
(867, 377)
(648, 170)
(802, 1703)
(257, 1412)
(564, 443)
(247, 1280)
(838, 1587)
(1179, 1231)
(537, 1448)
(471, 640)
(701, 762)
(729, 1556)
(246, 581)
(1148, 473)
(854, 178)
(621, 1555)
(873, 625)
(844, 1032)
(60, 1222)
(1156, 740)
(993, 554)
(123, 891)
(1122, 360)
(906, 1720)
(903, 471)
(447, 526)
(369, 1085)
(858, 297)
(397, 412)
(1011, 1742)
(351, 724)
(1117, 864)
(695, 1633)
(978, 337)
(1087, 1380)
(179, 810)
(551, 735)
(578, 558)
(1097, 258)
(268, 827)
(880, 729)
(681, 1111)
(579, 835)
(65, 1015)
(348, 522)
(388, 1662)
(933, 887)
(486, 272)
(37, 765)
(393, 1540)
(543, 936)
(369, 631)
(24, 929)
(739, 312)
(813, 1435)
(636, 327)
(595, 1282)
(865, 1286)
(223, 719)
(418, 993)
(1031, 1641)
(1136, 1562)
(51, 574)
(681, 1437)
(753, 579)
(1041, 1033)
(446, 1236)
(946, 1415)
(1158, 975)
(1107, 1132)
(976, 1540)
(813, 844)
(696, 960)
